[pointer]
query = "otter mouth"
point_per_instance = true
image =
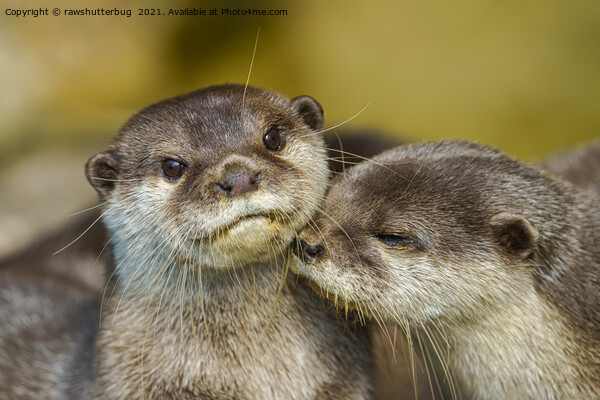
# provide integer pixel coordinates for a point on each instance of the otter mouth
(306, 273)
(339, 303)
(224, 231)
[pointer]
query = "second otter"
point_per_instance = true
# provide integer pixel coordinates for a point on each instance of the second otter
(489, 257)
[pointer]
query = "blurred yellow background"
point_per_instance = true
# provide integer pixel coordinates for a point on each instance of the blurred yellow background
(523, 76)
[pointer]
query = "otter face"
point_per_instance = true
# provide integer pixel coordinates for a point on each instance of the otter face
(222, 177)
(421, 232)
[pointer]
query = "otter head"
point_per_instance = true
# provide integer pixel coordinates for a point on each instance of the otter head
(221, 177)
(436, 230)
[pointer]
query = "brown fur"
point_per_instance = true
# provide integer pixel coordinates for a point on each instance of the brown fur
(41, 354)
(492, 262)
(201, 305)
(49, 313)
(580, 166)
(64, 291)
(77, 274)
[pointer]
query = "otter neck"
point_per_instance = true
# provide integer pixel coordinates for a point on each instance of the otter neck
(516, 351)
(148, 273)
(192, 339)
(199, 287)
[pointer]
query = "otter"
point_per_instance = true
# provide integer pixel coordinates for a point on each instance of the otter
(203, 194)
(49, 304)
(490, 262)
(580, 166)
(47, 333)
(49, 308)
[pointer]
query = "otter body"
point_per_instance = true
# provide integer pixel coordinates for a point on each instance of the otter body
(493, 263)
(204, 193)
(46, 336)
(49, 315)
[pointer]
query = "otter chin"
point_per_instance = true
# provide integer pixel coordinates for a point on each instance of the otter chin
(490, 264)
(248, 238)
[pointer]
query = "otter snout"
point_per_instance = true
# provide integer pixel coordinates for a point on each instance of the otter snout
(310, 253)
(239, 184)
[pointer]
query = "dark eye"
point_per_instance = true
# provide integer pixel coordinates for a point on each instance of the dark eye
(173, 169)
(273, 140)
(391, 239)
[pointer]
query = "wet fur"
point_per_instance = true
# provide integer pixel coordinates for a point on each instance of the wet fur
(500, 273)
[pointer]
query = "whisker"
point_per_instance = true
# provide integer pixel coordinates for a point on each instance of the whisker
(99, 205)
(250, 70)
(89, 227)
(320, 131)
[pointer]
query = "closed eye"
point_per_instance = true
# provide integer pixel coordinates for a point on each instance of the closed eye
(392, 240)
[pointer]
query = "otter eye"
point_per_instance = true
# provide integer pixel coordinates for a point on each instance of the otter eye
(391, 239)
(273, 140)
(172, 169)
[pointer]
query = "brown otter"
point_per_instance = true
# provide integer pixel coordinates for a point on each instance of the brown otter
(58, 297)
(491, 261)
(46, 336)
(49, 315)
(203, 194)
(580, 166)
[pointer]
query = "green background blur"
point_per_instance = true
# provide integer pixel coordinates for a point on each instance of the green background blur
(523, 76)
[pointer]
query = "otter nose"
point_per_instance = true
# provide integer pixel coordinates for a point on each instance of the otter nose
(310, 253)
(239, 184)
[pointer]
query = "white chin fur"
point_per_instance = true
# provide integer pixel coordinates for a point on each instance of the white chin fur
(256, 239)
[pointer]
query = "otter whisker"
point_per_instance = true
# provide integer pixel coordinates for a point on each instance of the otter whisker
(97, 178)
(87, 229)
(149, 256)
(428, 362)
(337, 125)
(367, 160)
(142, 339)
(108, 282)
(250, 69)
(99, 205)
(403, 194)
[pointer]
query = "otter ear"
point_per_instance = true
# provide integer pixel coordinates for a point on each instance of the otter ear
(515, 234)
(101, 171)
(309, 110)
